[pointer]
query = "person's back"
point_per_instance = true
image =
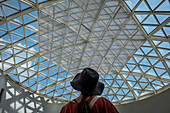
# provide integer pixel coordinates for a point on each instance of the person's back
(102, 105)
(89, 86)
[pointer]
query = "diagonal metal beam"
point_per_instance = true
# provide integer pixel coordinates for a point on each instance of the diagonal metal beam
(159, 27)
(146, 76)
(152, 12)
(159, 38)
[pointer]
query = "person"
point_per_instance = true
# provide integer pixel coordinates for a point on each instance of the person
(89, 100)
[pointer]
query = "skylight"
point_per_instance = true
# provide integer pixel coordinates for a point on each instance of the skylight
(127, 41)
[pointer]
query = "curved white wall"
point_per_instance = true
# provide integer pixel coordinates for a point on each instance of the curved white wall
(159, 103)
(18, 100)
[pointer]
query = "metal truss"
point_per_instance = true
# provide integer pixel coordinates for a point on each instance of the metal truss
(44, 45)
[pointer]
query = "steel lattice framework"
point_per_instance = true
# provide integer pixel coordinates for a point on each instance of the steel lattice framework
(45, 43)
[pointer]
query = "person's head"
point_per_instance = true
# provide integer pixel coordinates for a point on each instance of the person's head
(87, 82)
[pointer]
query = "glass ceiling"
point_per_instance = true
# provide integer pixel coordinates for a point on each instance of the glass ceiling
(44, 43)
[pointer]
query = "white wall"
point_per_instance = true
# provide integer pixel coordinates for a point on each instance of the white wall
(159, 103)
(18, 100)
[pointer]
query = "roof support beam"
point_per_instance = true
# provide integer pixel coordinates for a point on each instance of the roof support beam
(159, 27)
(150, 12)
(159, 38)
(146, 75)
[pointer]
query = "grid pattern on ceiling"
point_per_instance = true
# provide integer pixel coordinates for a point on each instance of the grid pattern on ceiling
(43, 44)
(97, 35)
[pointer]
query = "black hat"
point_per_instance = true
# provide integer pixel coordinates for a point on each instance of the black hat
(87, 82)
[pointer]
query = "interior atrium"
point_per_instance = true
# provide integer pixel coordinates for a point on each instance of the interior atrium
(45, 43)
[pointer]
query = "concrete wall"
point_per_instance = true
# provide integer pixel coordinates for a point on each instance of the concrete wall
(18, 100)
(159, 103)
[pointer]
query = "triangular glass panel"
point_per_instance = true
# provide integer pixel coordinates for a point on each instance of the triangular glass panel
(8, 11)
(163, 52)
(153, 4)
(144, 68)
(109, 82)
(27, 19)
(33, 25)
(22, 54)
(164, 6)
(167, 30)
(120, 97)
(159, 65)
(50, 82)
(138, 59)
(139, 52)
(137, 77)
(151, 72)
(137, 70)
(125, 69)
(15, 38)
(149, 29)
(146, 50)
(3, 27)
(14, 77)
(34, 87)
(1, 14)
(153, 53)
(166, 76)
(6, 38)
(149, 88)
(145, 62)
(120, 82)
(131, 67)
(5, 56)
(130, 94)
(131, 78)
(19, 31)
(162, 18)
(159, 33)
(41, 67)
(156, 42)
(18, 20)
(159, 71)
(131, 61)
(150, 20)
(44, 82)
(142, 7)
(164, 45)
(30, 43)
(1, 34)
(28, 32)
(131, 3)
(34, 13)
(24, 6)
(146, 44)
(168, 63)
(153, 61)
(137, 86)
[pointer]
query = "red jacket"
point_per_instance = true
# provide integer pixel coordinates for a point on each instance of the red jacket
(102, 105)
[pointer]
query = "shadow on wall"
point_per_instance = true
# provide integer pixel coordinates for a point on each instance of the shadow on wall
(17, 100)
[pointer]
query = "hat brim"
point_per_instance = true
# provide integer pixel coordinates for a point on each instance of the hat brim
(76, 84)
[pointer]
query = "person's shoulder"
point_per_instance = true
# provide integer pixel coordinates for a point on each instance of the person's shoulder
(103, 98)
(68, 105)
